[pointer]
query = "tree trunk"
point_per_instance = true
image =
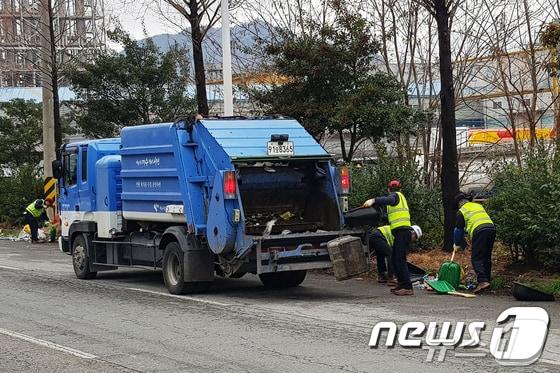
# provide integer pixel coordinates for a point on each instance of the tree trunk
(450, 169)
(342, 146)
(198, 59)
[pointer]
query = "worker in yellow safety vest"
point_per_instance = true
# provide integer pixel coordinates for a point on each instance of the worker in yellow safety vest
(398, 215)
(34, 214)
(381, 242)
(473, 218)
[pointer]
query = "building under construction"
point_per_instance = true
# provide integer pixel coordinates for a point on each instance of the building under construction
(79, 34)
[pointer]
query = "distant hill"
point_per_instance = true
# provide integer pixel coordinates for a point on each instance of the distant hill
(243, 39)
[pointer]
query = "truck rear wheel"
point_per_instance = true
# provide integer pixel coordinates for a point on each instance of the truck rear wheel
(280, 280)
(80, 258)
(174, 272)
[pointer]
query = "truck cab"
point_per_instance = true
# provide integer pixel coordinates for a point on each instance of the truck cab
(78, 171)
(198, 199)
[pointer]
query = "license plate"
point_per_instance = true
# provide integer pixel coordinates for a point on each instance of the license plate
(277, 148)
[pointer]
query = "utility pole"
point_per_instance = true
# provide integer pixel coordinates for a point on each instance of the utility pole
(555, 99)
(226, 60)
(49, 151)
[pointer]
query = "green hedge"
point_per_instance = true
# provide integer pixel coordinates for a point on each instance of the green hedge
(526, 209)
(425, 203)
(18, 190)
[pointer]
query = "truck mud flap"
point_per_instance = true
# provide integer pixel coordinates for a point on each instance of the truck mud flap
(198, 265)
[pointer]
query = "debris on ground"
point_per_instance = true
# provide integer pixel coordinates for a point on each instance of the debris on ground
(269, 226)
(23, 235)
(287, 215)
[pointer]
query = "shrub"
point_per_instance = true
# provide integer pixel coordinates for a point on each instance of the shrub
(425, 203)
(526, 209)
(18, 190)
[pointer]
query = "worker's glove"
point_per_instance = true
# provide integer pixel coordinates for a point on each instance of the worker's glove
(369, 202)
(457, 247)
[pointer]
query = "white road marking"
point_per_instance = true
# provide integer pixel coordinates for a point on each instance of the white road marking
(183, 297)
(51, 345)
(86, 355)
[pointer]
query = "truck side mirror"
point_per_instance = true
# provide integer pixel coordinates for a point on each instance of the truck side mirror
(57, 168)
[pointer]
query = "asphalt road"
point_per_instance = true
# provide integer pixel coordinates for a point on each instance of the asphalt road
(126, 321)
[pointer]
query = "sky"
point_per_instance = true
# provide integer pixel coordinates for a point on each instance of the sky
(141, 20)
(138, 21)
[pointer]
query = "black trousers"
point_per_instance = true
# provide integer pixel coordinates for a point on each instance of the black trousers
(33, 225)
(401, 246)
(382, 250)
(481, 256)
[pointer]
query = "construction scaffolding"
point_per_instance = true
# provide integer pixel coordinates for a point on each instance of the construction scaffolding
(79, 34)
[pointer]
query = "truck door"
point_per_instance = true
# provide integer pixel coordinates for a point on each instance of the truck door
(84, 189)
(69, 197)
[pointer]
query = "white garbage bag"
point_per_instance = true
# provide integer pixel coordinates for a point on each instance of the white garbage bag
(41, 234)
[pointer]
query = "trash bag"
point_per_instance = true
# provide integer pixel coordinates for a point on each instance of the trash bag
(41, 234)
(358, 217)
(24, 236)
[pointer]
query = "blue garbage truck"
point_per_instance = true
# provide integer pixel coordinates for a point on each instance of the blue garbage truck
(202, 198)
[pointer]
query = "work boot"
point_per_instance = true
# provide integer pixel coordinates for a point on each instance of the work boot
(481, 287)
(402, 291)
(382, 278)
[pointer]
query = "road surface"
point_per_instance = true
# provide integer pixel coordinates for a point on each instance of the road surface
(125, 321)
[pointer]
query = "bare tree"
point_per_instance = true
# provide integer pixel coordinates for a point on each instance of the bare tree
(443, 12)
(201, 16)
(511, 80)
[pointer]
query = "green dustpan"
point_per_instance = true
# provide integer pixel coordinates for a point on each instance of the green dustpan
(440, 286)
(450, 271)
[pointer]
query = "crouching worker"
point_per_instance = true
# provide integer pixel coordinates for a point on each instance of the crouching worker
(381, 243)
(398, 215)
(34, 214)
(473, 218)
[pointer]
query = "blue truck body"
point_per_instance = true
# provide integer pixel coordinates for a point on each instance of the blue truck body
(223, 190)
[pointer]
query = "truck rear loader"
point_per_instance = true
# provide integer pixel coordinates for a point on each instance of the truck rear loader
(215, 196)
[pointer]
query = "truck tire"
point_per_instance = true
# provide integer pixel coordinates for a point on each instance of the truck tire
(174, 273)
(281, 280)
(80, 258)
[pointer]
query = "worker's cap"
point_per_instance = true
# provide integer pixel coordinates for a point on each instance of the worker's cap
(416, 229)
(49, 202)
(461, 197)
(39, 203)
(393, 184)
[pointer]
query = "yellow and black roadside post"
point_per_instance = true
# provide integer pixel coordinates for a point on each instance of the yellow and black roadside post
(49, 189)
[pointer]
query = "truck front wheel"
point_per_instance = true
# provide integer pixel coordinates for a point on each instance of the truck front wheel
(80, 258)
(279, 280)
(174, 272)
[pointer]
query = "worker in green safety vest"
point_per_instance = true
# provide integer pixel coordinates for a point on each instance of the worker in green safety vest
(473, 218)
(381, 242)
(398, 215)
(34, 214)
